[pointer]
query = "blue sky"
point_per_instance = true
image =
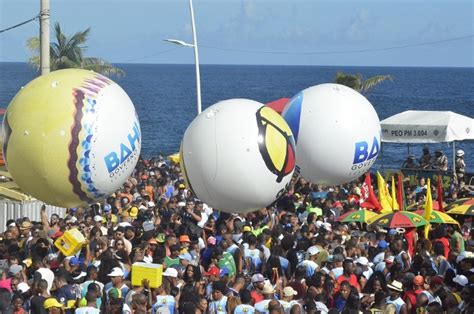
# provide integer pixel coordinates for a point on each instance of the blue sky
(257, 31)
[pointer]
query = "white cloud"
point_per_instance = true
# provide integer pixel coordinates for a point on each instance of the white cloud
(358, 27)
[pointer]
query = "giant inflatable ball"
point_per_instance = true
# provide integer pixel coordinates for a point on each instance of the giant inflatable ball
(71, 137)
(238, 156)
(337, 133)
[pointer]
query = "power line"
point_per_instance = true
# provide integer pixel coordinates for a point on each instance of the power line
(22, 23)
(342, 51)
(148, 56)
(312, 52)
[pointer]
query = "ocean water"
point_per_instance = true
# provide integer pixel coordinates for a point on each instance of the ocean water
(165, 95)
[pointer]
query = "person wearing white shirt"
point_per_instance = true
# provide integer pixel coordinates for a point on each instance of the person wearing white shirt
(363, 262)
(287, 299)
(310, 263)
(218, 305)
(268, 294)
(245, 307)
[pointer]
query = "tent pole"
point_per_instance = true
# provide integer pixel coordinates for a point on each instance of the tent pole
(381, 147)
(454, 158)
(408, 148)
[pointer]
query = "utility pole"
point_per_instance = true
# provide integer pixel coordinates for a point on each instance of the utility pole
(44, 37)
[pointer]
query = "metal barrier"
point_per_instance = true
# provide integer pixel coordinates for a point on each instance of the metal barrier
(32, 209)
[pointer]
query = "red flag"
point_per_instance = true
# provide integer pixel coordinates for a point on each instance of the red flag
(440, 194)
(401, 192)
(368, 198)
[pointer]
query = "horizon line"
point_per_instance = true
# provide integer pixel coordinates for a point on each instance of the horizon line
(286, 65)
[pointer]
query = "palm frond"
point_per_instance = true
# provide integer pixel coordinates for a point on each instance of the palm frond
(350, 80)
(101, 66)
(33, 44)
(373, 81)
(68, 52)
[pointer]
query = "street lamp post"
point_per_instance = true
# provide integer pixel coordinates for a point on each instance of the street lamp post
(196, 55)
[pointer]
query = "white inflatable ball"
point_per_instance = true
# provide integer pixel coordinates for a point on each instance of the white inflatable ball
(238, 156)
(337, 133)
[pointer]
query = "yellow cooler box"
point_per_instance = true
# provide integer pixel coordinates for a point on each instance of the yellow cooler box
(152, 272)
(70, 242)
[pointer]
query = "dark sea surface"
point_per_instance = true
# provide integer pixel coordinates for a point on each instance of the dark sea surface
(165, 95)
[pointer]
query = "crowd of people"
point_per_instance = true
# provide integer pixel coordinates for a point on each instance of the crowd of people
(290, 257)
(438, 162)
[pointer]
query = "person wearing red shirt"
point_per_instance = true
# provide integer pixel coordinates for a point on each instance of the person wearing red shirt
(347, 275)
(417, 286)
(258, 282)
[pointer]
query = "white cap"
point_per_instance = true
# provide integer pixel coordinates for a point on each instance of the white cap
(289, 291)
(327, 226)
(460, 153)
(116, 272)
(463, 255)
(362, 260)
(82, 274)
(98, 218)
(461, 280)
(23, 287)
(170, 272)
(151, 204)
(313, 250)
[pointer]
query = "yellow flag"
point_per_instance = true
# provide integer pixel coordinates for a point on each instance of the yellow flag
(382, 191)
(394, 196)
(428, 208)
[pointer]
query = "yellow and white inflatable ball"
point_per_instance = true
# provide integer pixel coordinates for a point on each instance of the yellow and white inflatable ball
(337, 133)
(238, 155)
(71, 137)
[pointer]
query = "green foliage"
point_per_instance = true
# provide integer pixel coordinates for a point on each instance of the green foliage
(356, 82)
(68, 52)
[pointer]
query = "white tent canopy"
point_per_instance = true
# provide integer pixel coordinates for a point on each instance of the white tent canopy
(427, 127)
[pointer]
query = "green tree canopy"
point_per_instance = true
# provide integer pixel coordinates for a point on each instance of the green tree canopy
(356, 82)
(68, 52)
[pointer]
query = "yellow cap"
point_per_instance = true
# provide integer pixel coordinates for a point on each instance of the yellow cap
(247, 229)
(27, 262)
(133, 212)
(52, 302)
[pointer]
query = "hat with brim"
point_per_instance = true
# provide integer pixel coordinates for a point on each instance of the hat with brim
(186, 256)
(52, 302)
(26, 225)
(289, 291)
(258, 278)
(395, 285)
(15, 269)
(184, 238)
(133, 212)
(268, 289)
(170, 272)
(116, 272)
(461, 280)
(161, 238)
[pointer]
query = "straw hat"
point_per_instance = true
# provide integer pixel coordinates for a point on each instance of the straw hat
(395, 285)
(268, 289)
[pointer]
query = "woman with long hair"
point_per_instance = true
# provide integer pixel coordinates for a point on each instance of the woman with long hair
(376, 283)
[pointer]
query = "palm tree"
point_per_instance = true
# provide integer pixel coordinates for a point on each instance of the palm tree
(68, 53)
(356, 82)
